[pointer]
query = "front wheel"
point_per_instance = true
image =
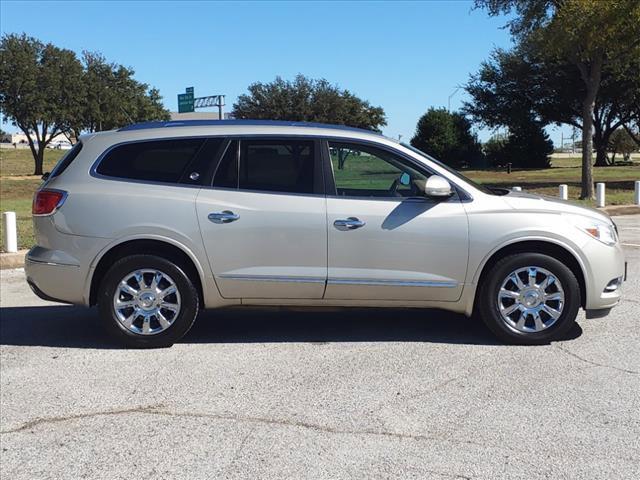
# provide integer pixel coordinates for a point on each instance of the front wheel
(146, 301)
(529, 298)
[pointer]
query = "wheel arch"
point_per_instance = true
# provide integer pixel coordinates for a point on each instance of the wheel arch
(155, 246)
(555, 250)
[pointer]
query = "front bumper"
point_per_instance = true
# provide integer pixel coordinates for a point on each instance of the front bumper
(606, 269)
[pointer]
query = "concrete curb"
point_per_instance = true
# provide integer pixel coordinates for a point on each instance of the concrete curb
(612, 210)
(12, 260)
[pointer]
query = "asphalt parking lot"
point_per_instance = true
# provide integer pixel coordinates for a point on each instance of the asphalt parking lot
(339, 394)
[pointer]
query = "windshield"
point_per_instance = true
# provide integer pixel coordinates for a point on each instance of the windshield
(453, 172)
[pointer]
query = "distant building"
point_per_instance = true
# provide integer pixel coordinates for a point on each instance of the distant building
(197, 116)
(20, 138)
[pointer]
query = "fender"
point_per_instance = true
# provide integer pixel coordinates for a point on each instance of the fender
(513, 239)
(207, 280)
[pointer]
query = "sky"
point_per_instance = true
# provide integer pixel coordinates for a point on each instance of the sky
(403, 56)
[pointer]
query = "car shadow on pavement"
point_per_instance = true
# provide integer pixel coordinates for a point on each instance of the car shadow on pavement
(79, 327)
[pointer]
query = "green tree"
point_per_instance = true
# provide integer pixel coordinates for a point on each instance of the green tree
(520, 83)
(448, 137)
(41, 90)
(590, 34)
(622, 142)
(114, 98)
(526, 146)
(307, 100)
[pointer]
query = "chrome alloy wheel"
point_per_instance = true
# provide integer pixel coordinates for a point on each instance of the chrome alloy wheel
(530, 299)
(146, 302)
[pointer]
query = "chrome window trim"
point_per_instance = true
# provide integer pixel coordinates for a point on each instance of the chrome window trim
(322, 138)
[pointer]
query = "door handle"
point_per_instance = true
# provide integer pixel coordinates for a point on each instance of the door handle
(226, 216)
(350, 223)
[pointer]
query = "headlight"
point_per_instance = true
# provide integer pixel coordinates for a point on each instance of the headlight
(605, 232)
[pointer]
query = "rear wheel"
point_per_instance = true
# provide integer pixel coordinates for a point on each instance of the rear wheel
(529, 298)
(147, 301)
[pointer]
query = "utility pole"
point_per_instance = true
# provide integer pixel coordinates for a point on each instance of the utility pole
(449, 99)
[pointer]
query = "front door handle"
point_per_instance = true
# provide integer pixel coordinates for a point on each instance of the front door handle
(350, 223)
(226, 216)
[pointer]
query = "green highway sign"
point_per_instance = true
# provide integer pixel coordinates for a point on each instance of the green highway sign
(189, 90)
(185, 101)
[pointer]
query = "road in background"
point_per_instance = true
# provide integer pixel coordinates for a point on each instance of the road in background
(339, 394)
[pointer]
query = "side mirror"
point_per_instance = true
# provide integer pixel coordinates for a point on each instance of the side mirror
(437, 186)
(46, 175)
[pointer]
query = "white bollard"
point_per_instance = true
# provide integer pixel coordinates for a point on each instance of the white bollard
(636, 198)
(517, 189)
(10, 232)
(599, 194)
(564, 192)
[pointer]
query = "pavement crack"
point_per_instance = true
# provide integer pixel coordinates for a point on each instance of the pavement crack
(591, 362)
(41, 421)
(158, 409)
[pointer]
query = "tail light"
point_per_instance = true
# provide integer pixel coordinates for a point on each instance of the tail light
(47, 201)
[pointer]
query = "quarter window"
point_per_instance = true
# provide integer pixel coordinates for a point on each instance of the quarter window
(363, 171)
(158, 160)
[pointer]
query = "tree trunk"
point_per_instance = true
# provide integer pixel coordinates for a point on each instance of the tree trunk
(602, 160)
(587, 144)
(39, 161)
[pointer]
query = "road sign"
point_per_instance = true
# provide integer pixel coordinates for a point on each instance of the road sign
(185, 102)
(189, 90)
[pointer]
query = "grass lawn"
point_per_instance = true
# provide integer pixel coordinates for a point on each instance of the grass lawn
(619, 179)
(17, 183)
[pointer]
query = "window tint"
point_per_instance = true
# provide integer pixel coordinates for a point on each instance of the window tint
(66, 160)
(199, 171)
(158, 160)
(269, 165)
(363, 171)
(227, 173)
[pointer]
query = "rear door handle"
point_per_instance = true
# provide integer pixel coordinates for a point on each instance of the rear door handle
(226, 216)
(350, 223)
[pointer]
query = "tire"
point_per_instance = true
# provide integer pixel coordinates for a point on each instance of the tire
(562, 291)
(172, 299)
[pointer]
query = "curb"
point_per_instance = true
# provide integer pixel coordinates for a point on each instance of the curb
(12, 260)
(621, 210)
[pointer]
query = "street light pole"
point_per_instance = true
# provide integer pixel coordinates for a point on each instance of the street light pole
(449, 99)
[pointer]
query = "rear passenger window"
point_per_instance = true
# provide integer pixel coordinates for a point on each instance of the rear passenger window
(227, 173)
(158, 160)
(287, 166)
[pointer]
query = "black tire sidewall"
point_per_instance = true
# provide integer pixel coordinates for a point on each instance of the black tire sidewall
(180, 326)
(493, 281)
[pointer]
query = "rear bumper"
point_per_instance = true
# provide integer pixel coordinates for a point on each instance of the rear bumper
(54, 275)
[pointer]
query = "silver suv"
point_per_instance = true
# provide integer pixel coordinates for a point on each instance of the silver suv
(156, 221)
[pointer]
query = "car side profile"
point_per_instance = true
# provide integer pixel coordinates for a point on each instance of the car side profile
(154, 222)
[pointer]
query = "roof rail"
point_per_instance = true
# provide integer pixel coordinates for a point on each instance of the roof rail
(223, 123)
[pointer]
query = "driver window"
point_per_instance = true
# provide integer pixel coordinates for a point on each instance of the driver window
(363, 171)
